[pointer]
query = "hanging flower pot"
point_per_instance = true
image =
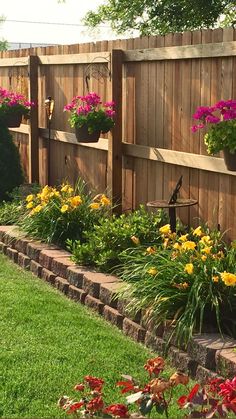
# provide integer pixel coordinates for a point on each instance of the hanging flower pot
(12, 107)
(88, 111)
(12, 120)
(220, 122)
(83, 136)
(230, 160)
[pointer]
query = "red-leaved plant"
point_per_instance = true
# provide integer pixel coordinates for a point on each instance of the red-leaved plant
(214, 400)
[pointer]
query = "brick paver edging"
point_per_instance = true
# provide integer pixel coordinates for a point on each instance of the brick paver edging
(207, 356)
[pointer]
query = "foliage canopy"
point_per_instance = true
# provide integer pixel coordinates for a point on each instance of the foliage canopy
(162, 16)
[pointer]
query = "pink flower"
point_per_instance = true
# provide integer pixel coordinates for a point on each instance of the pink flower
(229, 114)
(110, 113)
(202, 112)
(109, 104)
(194, 128)
(212, 119)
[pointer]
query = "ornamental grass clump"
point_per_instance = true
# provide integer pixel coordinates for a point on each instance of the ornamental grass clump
(56, 214)
(88, 110)
(189, 280)
(220, 122)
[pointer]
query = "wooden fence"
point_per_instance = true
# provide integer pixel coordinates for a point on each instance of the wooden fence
(157, 83)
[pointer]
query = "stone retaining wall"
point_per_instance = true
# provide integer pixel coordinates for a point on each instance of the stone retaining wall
(208, 355)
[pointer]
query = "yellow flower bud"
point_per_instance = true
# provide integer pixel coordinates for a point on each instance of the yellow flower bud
(135, 240)
(152, 271)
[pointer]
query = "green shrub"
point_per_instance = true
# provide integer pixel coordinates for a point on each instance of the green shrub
(11, 174)
(56, 214)
(190, 280)
(111, 236)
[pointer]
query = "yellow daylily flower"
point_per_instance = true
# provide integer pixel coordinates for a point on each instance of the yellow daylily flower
(183, 238)
(105, 201)
(228, 278)
(188, 245)
(64, 208)
(165, 229)
(29, 198)
(204, 258)
(206, 250)
(177, 246)
(30, 205)
(54, 193)
(206, 240)
(95, 205)
(198, 231)
(37, 209)
(67, 189)
(75, 201)
(189, 268)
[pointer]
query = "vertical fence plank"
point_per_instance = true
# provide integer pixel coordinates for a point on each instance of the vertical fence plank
(226, 215)
(33, 128)
(128, 129)
(115, 139)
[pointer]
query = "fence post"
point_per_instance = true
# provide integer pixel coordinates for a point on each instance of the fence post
(33, 126)
(114, 175)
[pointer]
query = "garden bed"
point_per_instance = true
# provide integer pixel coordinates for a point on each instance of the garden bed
(207, 355)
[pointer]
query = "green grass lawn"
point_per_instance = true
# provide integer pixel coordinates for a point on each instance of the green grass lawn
(48, 343)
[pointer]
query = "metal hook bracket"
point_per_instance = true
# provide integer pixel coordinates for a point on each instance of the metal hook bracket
(98, 73)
